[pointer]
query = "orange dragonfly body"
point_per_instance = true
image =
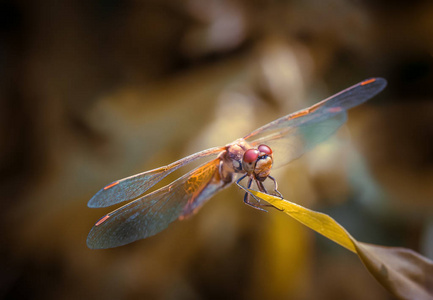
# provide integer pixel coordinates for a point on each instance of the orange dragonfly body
(252, 157)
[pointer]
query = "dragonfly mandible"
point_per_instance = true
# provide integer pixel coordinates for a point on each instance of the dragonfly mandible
(251, 157)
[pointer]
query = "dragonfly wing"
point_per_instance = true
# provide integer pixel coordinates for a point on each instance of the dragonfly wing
(292, 135)
(135, 186)
(152, 213)
(344, 100)
(290, 144)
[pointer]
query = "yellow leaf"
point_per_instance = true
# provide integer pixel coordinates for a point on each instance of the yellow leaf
(403, 272)
(319, 222)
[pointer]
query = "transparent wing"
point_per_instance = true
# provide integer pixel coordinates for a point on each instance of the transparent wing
(152, 213)
(135, 186)
(294, 134)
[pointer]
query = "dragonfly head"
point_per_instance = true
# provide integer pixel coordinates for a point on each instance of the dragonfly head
(258, 162)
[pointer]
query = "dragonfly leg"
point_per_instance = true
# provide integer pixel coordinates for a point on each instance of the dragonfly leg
(239, 180)
(264, 190)
(261, 187)
(275, 187)
(247, 194)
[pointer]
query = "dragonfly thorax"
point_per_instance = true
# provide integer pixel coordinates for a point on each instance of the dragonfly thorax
(231, 159)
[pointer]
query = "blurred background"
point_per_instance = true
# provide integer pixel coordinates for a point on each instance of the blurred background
(94, 91)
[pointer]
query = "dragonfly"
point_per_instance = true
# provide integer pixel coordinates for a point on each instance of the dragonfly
(249, 159)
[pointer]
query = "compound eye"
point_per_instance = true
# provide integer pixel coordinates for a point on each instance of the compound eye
(265, 149)
(251, 155)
